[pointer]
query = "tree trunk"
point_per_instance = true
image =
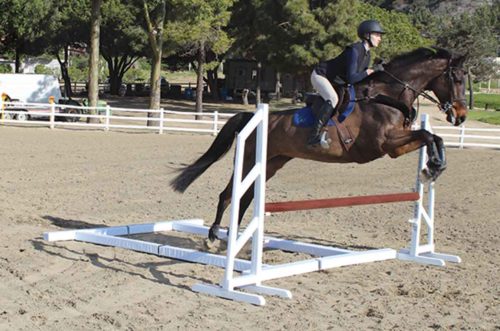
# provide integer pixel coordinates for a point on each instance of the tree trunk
(18, 60)
(117, 67)
(471, 90)
(155, 36)
(68, 91)
(95, 27)
(244, 96)
(155, 95)
(277, 89)
(114, 80)
(257, 96)
(212, 80)
(199, 81)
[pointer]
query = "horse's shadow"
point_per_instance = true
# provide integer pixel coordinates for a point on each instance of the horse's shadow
(70, 224)
(114, 263)
(322, 242)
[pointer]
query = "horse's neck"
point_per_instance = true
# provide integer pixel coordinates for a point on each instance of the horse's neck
(416, 79)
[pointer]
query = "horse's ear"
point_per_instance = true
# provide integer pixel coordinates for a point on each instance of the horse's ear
(458, 61)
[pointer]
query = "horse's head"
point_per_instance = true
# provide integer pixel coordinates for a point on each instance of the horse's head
(449, 88)
(428, 69)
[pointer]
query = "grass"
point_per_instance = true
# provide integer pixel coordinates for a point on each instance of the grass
(491, 117)
(177, 77)
(492, 101)
(487, 101)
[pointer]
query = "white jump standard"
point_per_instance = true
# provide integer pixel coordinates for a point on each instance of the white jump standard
(253, 272)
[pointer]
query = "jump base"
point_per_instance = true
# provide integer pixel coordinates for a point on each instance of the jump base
(323, 257)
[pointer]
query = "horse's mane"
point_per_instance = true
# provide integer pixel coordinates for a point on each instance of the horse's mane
(418, 55)
(403, 61)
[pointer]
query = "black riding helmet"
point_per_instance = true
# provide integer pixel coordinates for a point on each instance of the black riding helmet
(367, 27)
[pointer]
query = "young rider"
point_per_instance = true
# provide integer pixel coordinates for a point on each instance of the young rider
(350, 67)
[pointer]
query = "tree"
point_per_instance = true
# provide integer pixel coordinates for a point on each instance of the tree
(123, 40)
(290, 36)
(67, 28)
(473, 35)
(22, 22)
(295, 35)
(154, 14)
(95, 23)
(402, 36)
(197, 31)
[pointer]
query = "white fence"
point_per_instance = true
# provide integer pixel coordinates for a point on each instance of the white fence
(107, 118)
(462, 136)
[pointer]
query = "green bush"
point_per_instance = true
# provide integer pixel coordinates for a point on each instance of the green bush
(79, 69)
(44, 70)
(136, 75)
(5, 69)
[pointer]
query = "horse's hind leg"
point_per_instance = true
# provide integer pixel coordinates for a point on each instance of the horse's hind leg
(273, 165)
(224, 201)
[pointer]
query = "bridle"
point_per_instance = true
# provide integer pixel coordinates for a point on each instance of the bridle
(445, 107)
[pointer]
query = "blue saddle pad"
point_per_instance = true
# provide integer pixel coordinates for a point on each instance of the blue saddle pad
(304, 117)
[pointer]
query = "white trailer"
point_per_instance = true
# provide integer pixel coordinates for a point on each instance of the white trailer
(33, 89)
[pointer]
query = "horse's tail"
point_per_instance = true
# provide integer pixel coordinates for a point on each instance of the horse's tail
(218, 149)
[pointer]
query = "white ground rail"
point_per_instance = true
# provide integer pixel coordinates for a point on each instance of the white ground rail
(250, 274)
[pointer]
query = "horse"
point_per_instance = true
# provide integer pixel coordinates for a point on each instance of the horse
(377, 127)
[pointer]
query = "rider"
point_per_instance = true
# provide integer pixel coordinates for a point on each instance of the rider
(350, 67)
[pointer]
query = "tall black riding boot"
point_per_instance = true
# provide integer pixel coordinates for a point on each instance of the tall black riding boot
(325, 113)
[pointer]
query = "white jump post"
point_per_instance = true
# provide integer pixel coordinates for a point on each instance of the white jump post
(255, 229)
(418, 252)
(254, 272)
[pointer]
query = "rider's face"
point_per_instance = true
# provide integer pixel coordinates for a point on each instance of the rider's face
(375, 38)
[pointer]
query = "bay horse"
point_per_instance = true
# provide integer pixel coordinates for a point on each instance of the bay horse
(377, 128)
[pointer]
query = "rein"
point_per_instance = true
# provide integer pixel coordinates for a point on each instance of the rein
(444, 108)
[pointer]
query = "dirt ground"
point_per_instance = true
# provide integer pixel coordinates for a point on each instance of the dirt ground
(66, 179)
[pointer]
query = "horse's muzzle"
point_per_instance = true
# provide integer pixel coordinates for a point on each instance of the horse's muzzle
(457, 114)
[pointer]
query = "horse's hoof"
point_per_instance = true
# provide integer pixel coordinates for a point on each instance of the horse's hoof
(425, 176)
(208, 244)
(212, 233)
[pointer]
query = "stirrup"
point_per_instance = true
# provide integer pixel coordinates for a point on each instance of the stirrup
(321, 139)
(325, 140)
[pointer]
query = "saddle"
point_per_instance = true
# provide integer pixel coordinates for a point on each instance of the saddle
(345, 106)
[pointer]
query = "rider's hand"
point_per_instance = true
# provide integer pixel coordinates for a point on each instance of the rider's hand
(378, 67)
(369, 71)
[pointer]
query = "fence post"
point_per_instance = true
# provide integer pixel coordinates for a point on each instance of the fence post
(462, 136)
(2, 106)
(52, 114)
(216, 119)
(162, 116)
(106, 120)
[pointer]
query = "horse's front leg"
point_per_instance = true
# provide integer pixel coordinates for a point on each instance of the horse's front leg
(437, 159)
(400, 142)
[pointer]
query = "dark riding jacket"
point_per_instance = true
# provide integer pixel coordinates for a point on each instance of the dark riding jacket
(350, 66)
